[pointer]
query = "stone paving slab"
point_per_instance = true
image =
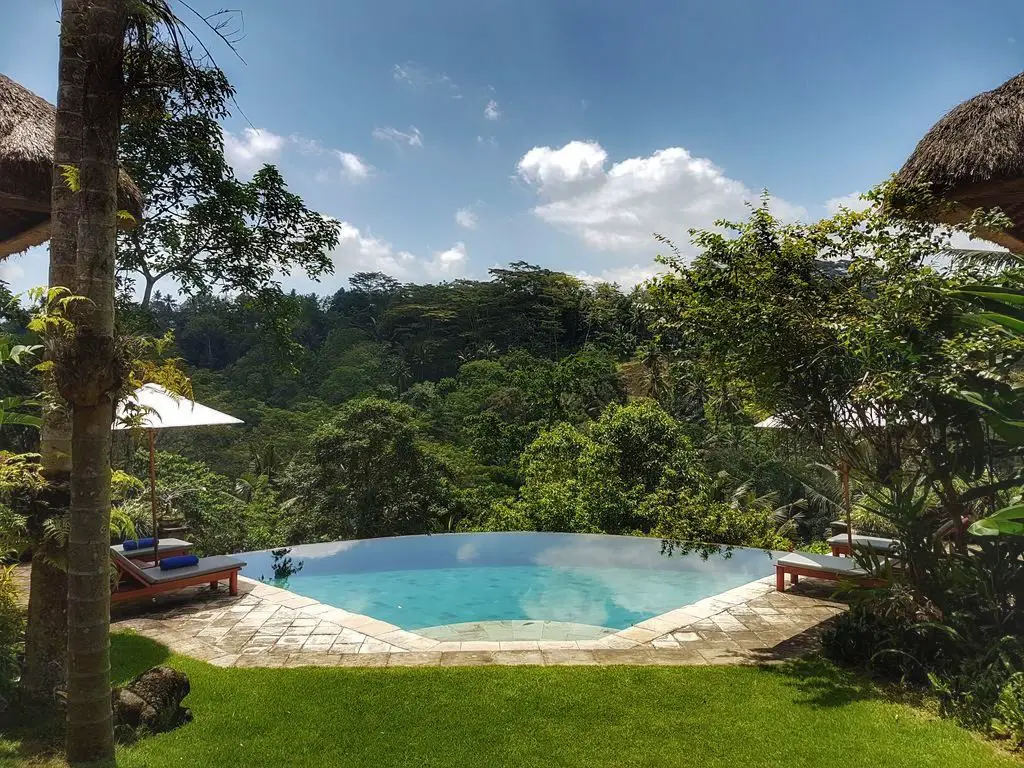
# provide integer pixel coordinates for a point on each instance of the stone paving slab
(265, 626)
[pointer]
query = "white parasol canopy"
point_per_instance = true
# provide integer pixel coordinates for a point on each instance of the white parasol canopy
(162, 409)
(157, 408)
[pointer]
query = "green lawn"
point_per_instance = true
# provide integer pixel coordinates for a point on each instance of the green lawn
(805, 715)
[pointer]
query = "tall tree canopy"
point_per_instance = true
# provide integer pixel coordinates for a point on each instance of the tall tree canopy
(203, 227)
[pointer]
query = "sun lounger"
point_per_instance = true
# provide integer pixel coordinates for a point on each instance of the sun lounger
(164, 548)
(136, 582)
(841, 544)
(798, 564)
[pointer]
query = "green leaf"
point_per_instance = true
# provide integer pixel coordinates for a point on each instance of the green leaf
(1013, 296)
(72, 177)
(1014, 324)
(20, 419)
(1007, 521)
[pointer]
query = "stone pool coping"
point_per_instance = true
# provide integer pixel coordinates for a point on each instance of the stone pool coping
(266, 626)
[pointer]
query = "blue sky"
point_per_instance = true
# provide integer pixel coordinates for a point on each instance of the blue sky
(453, 135)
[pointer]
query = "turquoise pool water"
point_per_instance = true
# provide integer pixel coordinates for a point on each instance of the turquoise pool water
(426, 581)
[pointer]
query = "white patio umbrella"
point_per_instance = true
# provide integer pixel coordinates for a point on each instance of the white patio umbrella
(151, 407)
(849, 421)
(777, 422)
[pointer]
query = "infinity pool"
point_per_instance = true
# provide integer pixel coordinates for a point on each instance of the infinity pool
(418, 582)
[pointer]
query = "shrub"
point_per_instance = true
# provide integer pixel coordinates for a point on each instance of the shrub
(1009, 710)
(12, 632)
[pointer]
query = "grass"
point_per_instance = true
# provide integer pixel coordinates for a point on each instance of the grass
(806, 714)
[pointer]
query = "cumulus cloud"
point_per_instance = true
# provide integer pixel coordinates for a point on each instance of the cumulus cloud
(618, 208)
(251, 149)
(492, 111)
(359, 251)
(960, 240)
(411, 138)
(11, 272)
(626, 277)
(465, 217)
(353, 166)
(851, 201)
(255, 146)
(449, 263)
(550, 170)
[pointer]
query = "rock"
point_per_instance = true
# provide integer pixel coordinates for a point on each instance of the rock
(150, 703)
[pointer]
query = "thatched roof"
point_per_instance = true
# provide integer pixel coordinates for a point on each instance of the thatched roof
(26, 169)
(974, 157)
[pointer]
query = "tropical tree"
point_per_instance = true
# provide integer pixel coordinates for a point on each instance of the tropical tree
(46, 633)
(202, 226)
(846, 329)
(87, 371)
(369, 475)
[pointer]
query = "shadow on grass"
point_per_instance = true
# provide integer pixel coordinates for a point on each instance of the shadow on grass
(132, 654)
(33, 735)
(822, 684)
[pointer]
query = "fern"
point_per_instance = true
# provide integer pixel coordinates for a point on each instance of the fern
(72, 177)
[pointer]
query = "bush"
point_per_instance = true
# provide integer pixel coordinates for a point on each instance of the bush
(12, 632)
(696, 518)
(1009, 720)
(957, 630)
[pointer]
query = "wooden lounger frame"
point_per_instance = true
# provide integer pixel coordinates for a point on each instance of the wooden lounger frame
(796, 571)
(145, 589)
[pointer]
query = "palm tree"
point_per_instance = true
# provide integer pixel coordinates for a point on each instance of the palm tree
(46, 631)
(87, 372)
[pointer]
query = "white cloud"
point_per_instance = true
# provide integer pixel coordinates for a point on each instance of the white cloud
(548, 168)
(959, 240)
(11, 272)
(447, 264)
(256, 146)
(357, 252)
(362, 252)
(492, 111)
(490, 141)
(412, 138)
(619, 208)
(626, 277)
(252, 149)
(465, 217)
(353, 166)
(418, 77)
(851, 201)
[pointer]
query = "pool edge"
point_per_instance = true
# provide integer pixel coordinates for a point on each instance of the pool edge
(645, 632)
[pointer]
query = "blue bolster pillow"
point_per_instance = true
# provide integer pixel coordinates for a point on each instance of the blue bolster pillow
(179, 561)
(132, 544)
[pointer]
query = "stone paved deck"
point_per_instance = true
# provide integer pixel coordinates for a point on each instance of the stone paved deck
(269, 627)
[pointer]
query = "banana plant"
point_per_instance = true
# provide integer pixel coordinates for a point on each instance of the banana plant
(12, 408)
(1002, 308)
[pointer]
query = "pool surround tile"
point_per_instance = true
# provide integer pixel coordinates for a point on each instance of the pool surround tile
(267, 626)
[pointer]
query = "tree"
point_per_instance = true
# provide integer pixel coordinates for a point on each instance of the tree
(88, 374)
(202, 226)
(369, 476)
(46, 630)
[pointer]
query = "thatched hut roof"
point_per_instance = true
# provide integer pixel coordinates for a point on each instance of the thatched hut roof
(974, 158)
(26, 169)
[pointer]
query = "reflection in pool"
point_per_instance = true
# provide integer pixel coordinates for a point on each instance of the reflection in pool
(425, 581)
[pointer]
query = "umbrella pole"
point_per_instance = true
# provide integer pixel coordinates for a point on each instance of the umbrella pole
(152, 486)
(844, 468)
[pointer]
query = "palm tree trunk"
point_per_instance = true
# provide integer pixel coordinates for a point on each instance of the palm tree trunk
(89, 378)
(46, 633)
